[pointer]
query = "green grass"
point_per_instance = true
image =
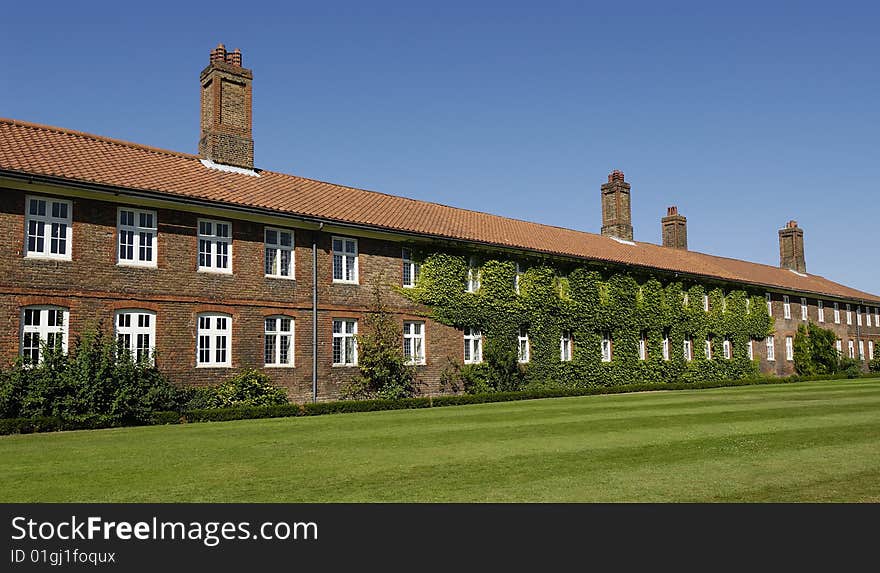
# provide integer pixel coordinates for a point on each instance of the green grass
(812, 441)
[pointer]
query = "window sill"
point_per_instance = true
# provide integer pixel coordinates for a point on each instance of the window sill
(339, 282)
(31, 257)
(344, 365)
(280, 277)
(214, 272)
(213, 365)
(138, 265)
(283, 366)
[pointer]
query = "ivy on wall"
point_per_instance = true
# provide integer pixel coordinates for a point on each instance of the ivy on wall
(588, 302)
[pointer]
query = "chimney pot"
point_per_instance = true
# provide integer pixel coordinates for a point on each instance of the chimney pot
(792, 224)
(671, 211)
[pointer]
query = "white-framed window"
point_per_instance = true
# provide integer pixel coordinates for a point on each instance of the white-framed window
(473, 346)
(666, 345)
(789, 348)
(43, 326)
(868, 316)
(522, 345)
(473, 276)
(136, 232)
(858, 316)
(852, 348)
(48, 228)
(414, 342)
(565, 346)
(749, 305)
(345, 260)
(877, 316)
(517, 277)
(804, 309)
(214, 341)
(769, 305)
(606, 346)
(728, 354)
(215, 246)
(278, 341)
(771, 349)
(643, 346)
(848, 314)
(709, 347)
(839, 346)
(870, 350)
(688, 348)
(786, 307)
(345, 342)
(279, 249)
(821, 306)
(751, 349)
(136, 333)
(706, 302)
(862, 350)
(836, 313)
(410, 269)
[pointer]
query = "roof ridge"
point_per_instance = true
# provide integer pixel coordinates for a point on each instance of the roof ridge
(92, 136)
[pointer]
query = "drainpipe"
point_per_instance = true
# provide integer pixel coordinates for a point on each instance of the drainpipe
(315, 313)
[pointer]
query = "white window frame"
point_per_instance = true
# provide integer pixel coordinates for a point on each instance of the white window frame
(870, 350)
(851, 347)
(862, 350)
(565, 346)
(789, 348)
(771, 349)
(748, 305)
(43, 329)
(138, 322)
(751, 349)
(213, 241)
(523, 351)
(727, 349)
(349, 273)
(274, 252)
(274, 338)
(706, 303)
(708, 348)
(868, 316)
(412, 267)
(836, 313)
(213, 333)
(786, 307)
(643, 346)
(414, 342)
(473, 276)
(607, 350)
(140, 243)
(473, 345)
(848, 315)
(688, 348)
(821, 306)
(346, 340)
(804, 310)
(666, 346)
(858, 316)
(877, 316)
(838, 345)
(517, 276)
(50, 224)
(769, 305)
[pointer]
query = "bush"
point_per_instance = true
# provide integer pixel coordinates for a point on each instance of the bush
(851, 367)
(248, 388)
(814, 351)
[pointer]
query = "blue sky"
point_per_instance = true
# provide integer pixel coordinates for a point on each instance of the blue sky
(745, 115)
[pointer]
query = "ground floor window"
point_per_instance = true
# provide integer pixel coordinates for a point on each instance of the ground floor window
(344, 342)
(473, 346)
(565, 346)
(522, 345)
(136, 333)
(42, 327)
(278, 341)
(214, 340)
(414, 342)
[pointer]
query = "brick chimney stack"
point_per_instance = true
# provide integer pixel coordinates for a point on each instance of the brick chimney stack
(226, 135)
(791, 248)
(674, 229)
(616, 213)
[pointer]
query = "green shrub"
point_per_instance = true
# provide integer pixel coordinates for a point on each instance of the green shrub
(851, 367)
(814, 351)
(248, 388)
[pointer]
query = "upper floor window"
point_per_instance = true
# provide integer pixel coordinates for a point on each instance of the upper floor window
(517, 277)
(345, 260)
(848, 314)
(344, 342)
(606, 347)
(522, 339)
(769, 305)
(858, 316)
(786, 307)
(868, 316)
(48, 223)
(706, 302)
(836, 313)
(410, 269)
(215, 246)
(877, 316)
(565, 346)
(42, 327)
(821, 307)
(771, 349)
(136, 333)
(278, 341)
(789, 348)
(414, 342)
(473, 277)
(804, 309)
(279, 253)
(137, 237)
(473, 346)
(214, 338)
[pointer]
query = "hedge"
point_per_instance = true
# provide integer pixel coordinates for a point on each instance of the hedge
(50, 424)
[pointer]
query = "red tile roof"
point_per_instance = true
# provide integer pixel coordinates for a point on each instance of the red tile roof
(35, 149)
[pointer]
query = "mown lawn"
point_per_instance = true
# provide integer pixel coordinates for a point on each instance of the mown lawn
(812, 441)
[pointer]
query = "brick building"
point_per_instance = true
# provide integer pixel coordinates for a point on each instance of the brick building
(216, 265)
